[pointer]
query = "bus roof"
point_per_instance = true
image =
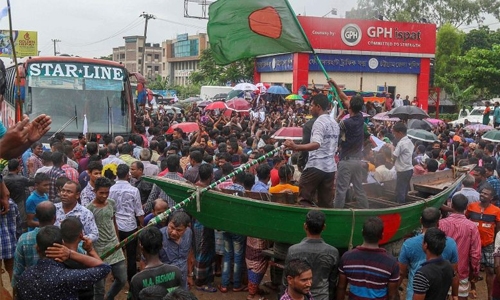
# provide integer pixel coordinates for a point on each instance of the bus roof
(68, 59)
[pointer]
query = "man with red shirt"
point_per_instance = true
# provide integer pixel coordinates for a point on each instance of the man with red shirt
(487, 218)
(466, 235)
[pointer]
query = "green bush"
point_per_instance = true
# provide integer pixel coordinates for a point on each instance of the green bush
(448, 117)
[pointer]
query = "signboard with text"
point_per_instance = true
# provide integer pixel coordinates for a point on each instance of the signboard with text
(366, 64)
(275, 63)
(25, 43)
(370, 35)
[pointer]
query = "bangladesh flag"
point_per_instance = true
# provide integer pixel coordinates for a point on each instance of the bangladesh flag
(242, 29)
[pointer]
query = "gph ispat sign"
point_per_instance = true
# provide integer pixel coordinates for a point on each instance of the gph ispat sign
(370, 35)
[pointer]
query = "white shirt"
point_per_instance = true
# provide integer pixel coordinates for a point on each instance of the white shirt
(404, 155)
(398, 102)
(325, 132)
(150, 169)
(112, 159)
(128, 205)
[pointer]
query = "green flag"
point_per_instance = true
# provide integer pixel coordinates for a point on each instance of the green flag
(242, 29)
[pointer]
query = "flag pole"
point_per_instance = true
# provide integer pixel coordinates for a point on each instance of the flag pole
(17, 97)
(314, 53)
(194, 195)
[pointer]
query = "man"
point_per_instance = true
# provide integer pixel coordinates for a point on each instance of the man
(87, 195)
(69, 207)
(402, 162)
(149, 168)
(35, 160)
(39, 194)
(468, 189)
(319, 172)
(55, 173)
(264, 175)
(493, 181)
(157, 192)
(26, 254)
(112, 159)
(136, 173)
(285, 175)
(139, 142)
(496, 115)
(370, 271)
(398, 101)
(92, 149)
(155, 272)
(49, 279)
(17, 184)
(125, 154)
(412, 255)
(406, 101)
(466, 235)
(434, 278)
(192, 174)
(487, 217)
(299, 278)
(128, 212)
(350, 170)
(486, 114)
(388, 102)
(322, 258)
(177, 241)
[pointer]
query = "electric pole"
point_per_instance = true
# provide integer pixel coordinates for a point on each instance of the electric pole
(55, 41)
(147, 17)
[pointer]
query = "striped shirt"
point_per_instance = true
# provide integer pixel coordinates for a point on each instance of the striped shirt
(485, 219)
(369, 271)
(466, 235)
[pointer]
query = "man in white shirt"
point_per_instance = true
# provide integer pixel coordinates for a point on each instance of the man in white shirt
(398, 101)
(128, 208)
(468, 189)
(402, 161)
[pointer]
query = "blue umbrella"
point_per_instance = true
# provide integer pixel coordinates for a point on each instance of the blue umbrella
(279, 90)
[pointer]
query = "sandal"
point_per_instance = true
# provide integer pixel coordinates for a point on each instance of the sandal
(243, 288)
(222, 289)
(206, 288)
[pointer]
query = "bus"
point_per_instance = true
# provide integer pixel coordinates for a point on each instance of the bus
(70, 89)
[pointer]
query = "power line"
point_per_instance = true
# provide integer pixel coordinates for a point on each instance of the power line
(181, 24)
(479, 25)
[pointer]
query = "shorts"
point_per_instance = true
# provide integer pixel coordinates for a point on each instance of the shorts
(463, 288)
(487, 255)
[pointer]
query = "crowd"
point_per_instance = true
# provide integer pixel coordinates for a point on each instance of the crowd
(64, 207)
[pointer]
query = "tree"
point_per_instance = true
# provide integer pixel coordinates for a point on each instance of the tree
(210, 73)
(455, 12)
(482, 38)
(107, 57)
(158, 84)
(448, 49)
(481, 68)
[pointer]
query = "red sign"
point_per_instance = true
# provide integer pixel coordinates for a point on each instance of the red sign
(370, 35)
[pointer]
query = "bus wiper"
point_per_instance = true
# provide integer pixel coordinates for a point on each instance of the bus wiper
(75, 117)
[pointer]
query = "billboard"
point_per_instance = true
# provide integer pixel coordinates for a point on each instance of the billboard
(276, 63)
(365, 64)
(357, 36)
(25, 43)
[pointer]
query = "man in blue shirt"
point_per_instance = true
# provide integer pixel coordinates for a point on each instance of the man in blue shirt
(263, 174)
(42, 185)
(412, 256)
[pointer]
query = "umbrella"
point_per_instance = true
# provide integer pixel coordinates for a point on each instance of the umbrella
(262, 87)
(492, 136)
(365, 115)
(384, 117)
(419, 124)
(422, 135)
(186, 127)
(288, 133)
(238, 105)
(408, 112)
(245, 87)
(435, 122)
(478, 127)
(235, 94)
(204, 103)
(278, 89)
(294, 97)
(216, 105)
(221, 96)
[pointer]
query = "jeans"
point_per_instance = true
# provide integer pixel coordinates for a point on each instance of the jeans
(350, 171)
(119, 271)
(234, 248)
(131, 249)
(402, 185)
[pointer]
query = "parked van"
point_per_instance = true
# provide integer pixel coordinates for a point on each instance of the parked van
(474, 116)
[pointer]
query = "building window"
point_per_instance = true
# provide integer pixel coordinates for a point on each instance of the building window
(122, 56)
(157, 68)
(157, 56)
(140, 49)
(186, 48)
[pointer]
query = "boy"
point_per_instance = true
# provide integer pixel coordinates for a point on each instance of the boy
(104, 210)
(87, 195)
(40, 194)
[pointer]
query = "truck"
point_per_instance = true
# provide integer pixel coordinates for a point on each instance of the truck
(209, 91)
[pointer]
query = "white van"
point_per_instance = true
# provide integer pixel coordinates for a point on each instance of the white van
(474, 116)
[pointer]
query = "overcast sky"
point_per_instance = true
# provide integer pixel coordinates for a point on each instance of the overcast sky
(92, 28)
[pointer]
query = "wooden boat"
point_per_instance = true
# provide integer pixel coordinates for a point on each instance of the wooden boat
(284, 222)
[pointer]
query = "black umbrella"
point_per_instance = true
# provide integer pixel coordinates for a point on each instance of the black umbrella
(408, 112)
(419, 124)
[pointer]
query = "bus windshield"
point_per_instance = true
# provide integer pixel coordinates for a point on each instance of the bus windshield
(102, 101)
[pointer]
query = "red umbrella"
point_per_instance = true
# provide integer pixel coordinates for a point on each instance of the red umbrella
(288, 133)
(186, 127)
(216, 105)
(238, 105)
